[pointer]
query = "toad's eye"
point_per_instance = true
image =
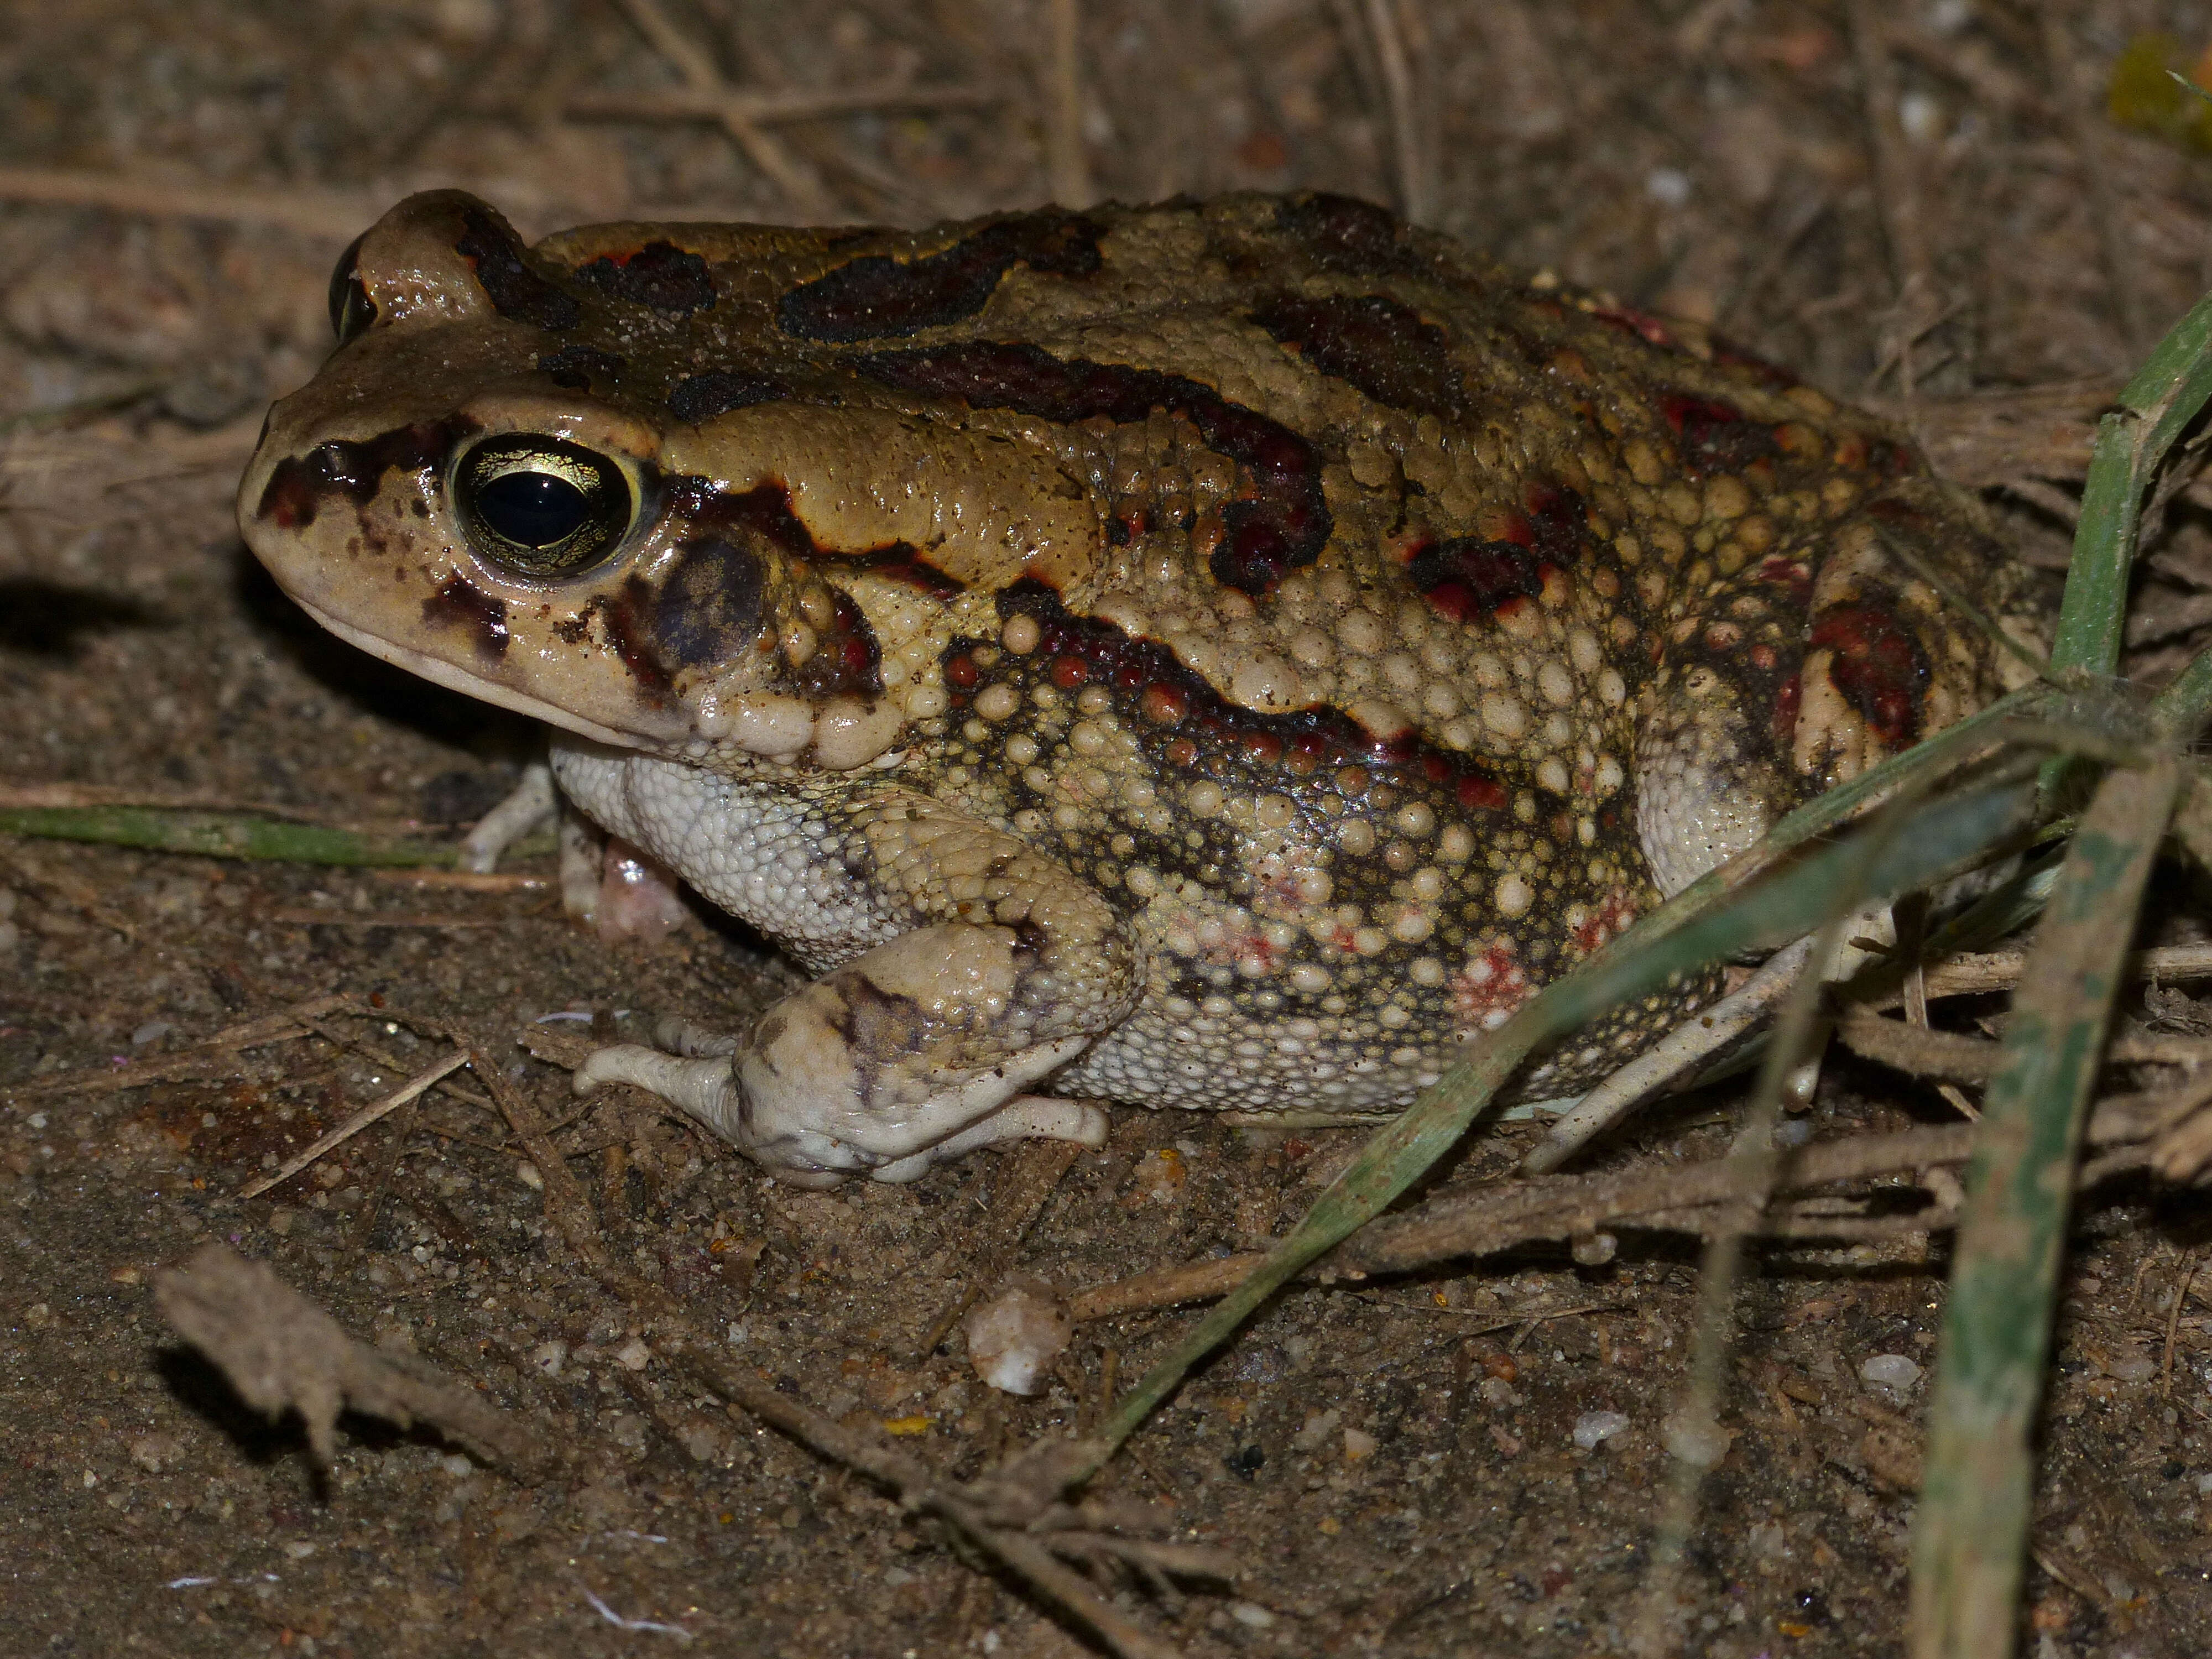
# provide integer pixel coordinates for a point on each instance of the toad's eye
(539, 507)
(351, 309)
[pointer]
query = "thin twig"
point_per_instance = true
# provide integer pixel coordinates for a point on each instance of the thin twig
(764, 150)
(286, 1025)
(1484, 1219)
(1408, 155)
(1031, 1173)
(330, 214)
(1066, 161)
(1999, 970)
(2173, 1324)
(689, 103)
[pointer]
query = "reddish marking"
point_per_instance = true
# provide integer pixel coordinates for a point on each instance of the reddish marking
(961, 672)
(1787, 696)
(1877, 666)
(1641, 325)
(1772, 376)
(1713, 434)
(1607, 921)
(1489, 988)
(1788, 573)
(1068, 673)
(1468, 581)
(1482, 794)
(1164, 705)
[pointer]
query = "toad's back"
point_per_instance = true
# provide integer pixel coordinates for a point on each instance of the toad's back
(1365, 637)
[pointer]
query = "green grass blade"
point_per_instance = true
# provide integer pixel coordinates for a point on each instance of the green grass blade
(1971, 1534)
(2163, 398)
(2185, 704)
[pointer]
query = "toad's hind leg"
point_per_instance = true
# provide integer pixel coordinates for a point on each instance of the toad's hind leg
(777, 1105)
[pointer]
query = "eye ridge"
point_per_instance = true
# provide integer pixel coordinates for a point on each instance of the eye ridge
(541, 507)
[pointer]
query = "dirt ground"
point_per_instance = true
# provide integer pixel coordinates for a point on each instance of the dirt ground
(1908, 201)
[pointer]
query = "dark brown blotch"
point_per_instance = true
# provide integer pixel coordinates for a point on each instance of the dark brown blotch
(1388, 350)
(877, 296)
(579, 368)
(707, 609)
(298, 484)
(1346, 235)
(717, 391)
(516, 287)
(659, 275)
(1715, 436)
(460, 603)
(1469, 579)
(1280, 526)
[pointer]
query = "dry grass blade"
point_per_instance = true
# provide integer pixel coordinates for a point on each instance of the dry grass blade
(1969, 1535)
(201, 1060)
(376, 1112)
(332, 214)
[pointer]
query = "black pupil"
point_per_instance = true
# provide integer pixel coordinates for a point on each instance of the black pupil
(532, 509)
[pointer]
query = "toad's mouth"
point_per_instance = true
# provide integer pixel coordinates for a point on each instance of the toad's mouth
(439, 671)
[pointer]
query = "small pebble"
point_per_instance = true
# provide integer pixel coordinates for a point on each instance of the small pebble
(1160, 1174)
(2129, 1364)
(634, 1355)
(1696, 1440)
(1594, 1250)
(1357, 1444)
(526, 1173)
(1251, 1614)
(1014, 1337)
(1594, 1429)
(1889, 1370)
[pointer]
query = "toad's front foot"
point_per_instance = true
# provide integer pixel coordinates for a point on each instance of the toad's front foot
(792, 1115)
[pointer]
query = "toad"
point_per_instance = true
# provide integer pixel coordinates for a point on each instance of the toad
(1222, 654)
